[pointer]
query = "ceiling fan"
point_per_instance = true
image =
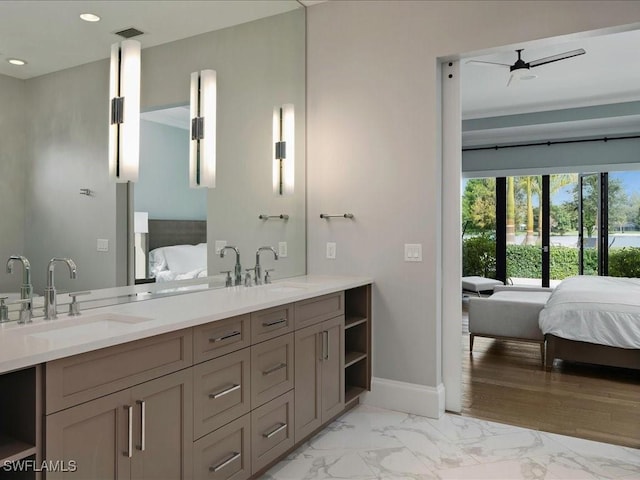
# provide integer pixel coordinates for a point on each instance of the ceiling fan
(520, 70)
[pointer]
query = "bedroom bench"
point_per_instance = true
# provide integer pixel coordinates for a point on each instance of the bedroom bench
(511, 313)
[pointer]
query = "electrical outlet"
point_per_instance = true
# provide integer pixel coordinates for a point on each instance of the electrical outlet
(220, 244)
(412, 252)
(331, 250)
(102, 245)
(282, 249)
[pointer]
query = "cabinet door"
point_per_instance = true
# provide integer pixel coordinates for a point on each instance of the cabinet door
(332, 368)
(308, 381)
(94, 435)
(163, 428)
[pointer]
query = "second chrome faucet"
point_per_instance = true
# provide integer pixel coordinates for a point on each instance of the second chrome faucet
(50, 303)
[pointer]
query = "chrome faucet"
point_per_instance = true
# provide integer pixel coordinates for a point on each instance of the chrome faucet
(50, 312)
(238, 268)
(258, 268)
(26, 290)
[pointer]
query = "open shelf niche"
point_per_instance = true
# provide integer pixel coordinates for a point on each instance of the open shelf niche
(357, 343)
(20, 424)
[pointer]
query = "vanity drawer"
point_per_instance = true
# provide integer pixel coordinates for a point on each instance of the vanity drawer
(80, 378)
(314, 310)
(226, 453)
(270, 323)
(221, 391)
(271, 431)
(221, 337)
(271, 369)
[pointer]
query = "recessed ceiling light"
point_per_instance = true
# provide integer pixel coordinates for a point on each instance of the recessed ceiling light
(89, 17)
(16, 61)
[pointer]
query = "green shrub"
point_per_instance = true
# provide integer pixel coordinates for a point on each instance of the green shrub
(479, 256)
(624, 262)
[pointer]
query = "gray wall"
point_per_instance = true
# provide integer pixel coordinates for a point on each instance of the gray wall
(13, 172)
(163, 185)
(67, 150)
(374, 140)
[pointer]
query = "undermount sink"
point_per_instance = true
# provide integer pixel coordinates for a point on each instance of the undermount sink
(91, 327)
(286, 287)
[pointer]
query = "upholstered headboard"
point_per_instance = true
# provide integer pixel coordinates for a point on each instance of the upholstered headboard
(163, 233)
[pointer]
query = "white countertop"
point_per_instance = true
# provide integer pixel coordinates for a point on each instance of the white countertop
(42, 341)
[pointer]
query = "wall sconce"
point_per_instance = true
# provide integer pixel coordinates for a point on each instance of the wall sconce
(202, 151)
(141, 246)
(284, 148)
(124, 129)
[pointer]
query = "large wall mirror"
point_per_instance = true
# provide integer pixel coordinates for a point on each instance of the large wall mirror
(54, 139)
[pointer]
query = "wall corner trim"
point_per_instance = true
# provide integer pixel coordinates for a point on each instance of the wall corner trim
(406, 397)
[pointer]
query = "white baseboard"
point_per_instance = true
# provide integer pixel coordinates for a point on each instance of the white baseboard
(406, 397)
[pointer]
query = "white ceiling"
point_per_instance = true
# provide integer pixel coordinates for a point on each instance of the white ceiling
(50, 36)
(609, 72)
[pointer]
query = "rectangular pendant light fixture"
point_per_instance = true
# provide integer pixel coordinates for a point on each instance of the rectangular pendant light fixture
(284, 149)
(124, 128)
(202, 150)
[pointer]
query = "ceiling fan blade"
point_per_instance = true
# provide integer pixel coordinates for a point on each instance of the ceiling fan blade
(480, 63)
(514, 79)
(555, 58)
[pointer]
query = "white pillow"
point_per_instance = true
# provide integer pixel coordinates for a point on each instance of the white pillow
(157, 261)
(186, 258)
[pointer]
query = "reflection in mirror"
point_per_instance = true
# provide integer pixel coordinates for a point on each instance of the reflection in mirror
(54, 139)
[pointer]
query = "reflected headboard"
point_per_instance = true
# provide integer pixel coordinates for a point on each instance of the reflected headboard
(163, 233)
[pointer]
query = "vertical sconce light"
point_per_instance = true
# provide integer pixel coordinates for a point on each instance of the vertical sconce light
(124, 128)
(283, 149)
(202, 151)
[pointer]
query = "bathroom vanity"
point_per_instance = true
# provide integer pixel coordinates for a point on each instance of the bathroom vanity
(215, 384)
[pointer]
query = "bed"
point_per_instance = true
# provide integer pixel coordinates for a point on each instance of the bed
(177, 249)
(593, 319)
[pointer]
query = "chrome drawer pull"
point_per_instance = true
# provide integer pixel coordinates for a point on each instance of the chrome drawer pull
(234, 456)
(143, 424)
(129, 452)
(271, 324)
(280, 366)
(233, 388)
(225, 337)
(275, 431)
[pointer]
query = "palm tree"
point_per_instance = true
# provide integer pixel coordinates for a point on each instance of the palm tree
(511, 211)
(530, 239)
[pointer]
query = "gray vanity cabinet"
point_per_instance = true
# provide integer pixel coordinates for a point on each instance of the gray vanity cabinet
(319, 375)
(143, 432)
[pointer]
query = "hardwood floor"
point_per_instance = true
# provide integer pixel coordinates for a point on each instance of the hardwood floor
(503, 381)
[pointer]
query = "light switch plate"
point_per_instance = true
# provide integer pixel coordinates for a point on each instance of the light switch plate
(412, 252)
(282, 249)
(331, 250)
(102, 245)
(220, 244)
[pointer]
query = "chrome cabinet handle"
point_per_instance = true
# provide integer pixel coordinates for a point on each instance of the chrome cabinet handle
(233, 388)
(325, 338)
(274, 369)
(277, 322)
(234, 456)
(143, 424)
(275, 431)
(225, 337)
(129, 451)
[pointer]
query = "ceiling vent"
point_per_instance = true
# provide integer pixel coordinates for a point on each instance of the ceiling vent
(129, 32)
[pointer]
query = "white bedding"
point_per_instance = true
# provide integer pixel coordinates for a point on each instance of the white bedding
(178, 262)
(602, 310)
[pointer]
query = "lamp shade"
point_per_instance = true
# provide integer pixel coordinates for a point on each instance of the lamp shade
(284, 150)
(202, 149)
(141, 222)
(124, 128)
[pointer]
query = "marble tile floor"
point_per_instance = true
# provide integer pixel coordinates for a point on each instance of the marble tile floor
(372, 443)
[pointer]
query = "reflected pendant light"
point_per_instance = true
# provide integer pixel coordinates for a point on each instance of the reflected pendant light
(124, 128)
(283, 149)
(202, 150)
